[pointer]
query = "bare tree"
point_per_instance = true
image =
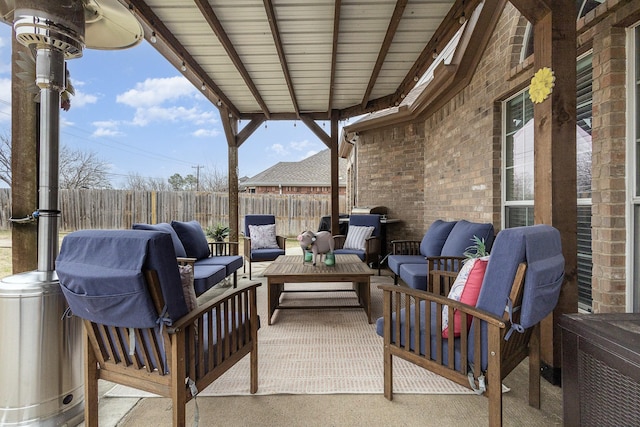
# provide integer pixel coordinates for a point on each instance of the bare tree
(136, 182)
(82, 169)
(78, 169)
(5, 159)
(214, 180)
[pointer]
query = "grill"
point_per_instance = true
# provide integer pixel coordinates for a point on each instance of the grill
(369, 210)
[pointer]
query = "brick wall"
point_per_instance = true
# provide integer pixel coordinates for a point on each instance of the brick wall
(448, 165)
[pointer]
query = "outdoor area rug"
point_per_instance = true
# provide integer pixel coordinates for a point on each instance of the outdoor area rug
(329, 351)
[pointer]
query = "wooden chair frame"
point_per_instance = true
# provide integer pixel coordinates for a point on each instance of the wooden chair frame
(185, 355)
(503, 356)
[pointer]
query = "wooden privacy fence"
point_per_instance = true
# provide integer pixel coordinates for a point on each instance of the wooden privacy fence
(118, 209)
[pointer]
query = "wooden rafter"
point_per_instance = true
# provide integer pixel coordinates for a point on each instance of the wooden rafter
(275, 32)
(213, 21)
(533, 11)
(334, 52)
(169, 46)
(384, 49)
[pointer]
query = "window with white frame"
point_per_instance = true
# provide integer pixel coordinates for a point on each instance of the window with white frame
(633, 112)
(518, 170)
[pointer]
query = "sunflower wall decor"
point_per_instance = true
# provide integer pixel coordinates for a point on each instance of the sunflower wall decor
(541, 85)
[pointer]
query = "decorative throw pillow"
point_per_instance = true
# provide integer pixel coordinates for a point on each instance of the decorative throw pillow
(465, 289)
(263, 236)
(357, 236)
(186, 277)
(192, 238)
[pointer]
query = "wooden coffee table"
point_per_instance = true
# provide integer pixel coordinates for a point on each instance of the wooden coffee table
(292, 269)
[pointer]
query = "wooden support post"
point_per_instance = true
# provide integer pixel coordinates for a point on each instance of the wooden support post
(555, 160)
(230, 125)
(24, 166)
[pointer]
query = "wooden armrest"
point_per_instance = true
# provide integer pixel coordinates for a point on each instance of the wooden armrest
(209, 306)
(282, 242)
(405, 247)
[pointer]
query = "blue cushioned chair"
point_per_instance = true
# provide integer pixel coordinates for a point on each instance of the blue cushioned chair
(521, 286)
(370, 252)
(261, 254)
(126, 286)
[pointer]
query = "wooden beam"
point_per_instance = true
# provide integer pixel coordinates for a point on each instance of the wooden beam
(320, 133)
(334, 54)
(534, 11)
(169, 47)
(384, 49)
(275, 33)
(249, 129)
(555, 158)
(212, 19)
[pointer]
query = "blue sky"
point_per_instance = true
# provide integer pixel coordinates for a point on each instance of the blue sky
(138, 114)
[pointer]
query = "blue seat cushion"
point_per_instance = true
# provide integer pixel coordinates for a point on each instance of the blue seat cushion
(167, 228)
(435, 238)
(207, 276)
(395, 261)
(415, 275)
(358, 252)
(231, 262)
(266, 254)
(192, 238)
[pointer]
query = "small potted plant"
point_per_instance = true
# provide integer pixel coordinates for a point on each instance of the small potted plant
(217, 233)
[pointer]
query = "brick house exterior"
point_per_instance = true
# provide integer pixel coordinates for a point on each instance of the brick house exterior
(447, 163)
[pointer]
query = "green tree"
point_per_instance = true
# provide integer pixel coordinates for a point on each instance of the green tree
(176, 182)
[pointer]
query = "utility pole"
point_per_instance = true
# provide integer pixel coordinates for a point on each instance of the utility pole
(197, 168)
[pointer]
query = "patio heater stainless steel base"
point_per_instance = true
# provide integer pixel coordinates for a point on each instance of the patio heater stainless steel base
(41, 352)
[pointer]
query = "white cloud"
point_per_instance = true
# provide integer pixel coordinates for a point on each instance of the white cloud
(277, 148)
(203, 133)
(106, 128)
(5, 46)
(153, 92)
(145, 116)
(80, 99)
(299, 145)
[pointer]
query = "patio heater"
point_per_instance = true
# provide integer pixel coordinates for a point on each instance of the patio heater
(40, 346)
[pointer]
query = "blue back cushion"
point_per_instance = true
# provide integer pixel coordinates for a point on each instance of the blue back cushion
(101, 274)
(372, 220)
(166, 227)
(435, 237)
(192, 238)
(461, 235)
(257, 220)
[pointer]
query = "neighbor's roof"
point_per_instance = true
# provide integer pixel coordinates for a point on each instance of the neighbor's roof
(312, 171)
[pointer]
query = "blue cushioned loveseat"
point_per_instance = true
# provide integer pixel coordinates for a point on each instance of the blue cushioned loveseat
(189, 241)
(408, 260)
